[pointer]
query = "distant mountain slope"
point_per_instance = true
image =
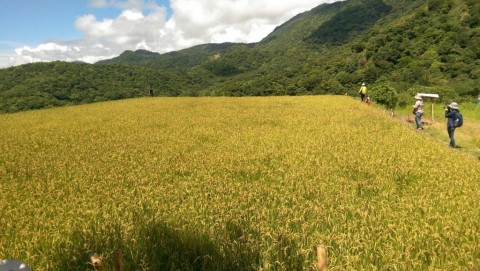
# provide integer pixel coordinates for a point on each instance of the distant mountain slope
(40, 85)
(408, 45)
(417, 43)
(350, 22)
(176, 60)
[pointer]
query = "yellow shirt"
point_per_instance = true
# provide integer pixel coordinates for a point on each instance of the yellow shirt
(363, 90)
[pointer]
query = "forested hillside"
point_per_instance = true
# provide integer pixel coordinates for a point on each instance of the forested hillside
(407, 45)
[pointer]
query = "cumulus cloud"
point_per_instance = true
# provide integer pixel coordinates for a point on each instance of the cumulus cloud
(143, 24)
(62, 51)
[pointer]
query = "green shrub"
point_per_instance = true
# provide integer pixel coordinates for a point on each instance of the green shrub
(385, 95)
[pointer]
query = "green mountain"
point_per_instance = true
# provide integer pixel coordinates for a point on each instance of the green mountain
(407, 45)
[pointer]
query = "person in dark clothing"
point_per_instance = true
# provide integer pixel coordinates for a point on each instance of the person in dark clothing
(451, 114)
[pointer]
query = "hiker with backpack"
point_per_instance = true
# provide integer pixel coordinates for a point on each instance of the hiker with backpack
(455, 120)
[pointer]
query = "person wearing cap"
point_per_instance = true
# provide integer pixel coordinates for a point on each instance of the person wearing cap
(451, 113)
(363, 92)
(418, 111)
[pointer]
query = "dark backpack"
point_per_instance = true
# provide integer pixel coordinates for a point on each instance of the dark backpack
(459, 120)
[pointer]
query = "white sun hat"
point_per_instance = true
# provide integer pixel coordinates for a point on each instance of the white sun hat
(453, 105)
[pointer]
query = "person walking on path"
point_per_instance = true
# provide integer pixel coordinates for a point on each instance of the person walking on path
(368, 101)
(451, 112)
(363, 92)
(418, 111)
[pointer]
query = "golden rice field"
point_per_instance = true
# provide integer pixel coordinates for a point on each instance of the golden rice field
(234, 184)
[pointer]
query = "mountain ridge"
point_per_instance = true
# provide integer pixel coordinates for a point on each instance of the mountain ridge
(408, 45)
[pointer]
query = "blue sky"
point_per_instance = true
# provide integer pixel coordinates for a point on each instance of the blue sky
(34, 21)
(92, 30)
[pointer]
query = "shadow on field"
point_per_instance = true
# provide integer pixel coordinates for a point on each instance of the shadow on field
(156, 246)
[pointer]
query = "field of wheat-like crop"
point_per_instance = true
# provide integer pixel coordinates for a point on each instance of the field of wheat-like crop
(234, 184)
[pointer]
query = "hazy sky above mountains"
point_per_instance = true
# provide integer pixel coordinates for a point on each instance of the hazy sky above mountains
(92, 30)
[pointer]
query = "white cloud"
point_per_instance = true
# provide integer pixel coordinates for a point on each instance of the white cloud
(143, 24)
(125, 4)
(47, 47)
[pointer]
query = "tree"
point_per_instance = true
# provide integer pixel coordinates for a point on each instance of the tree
(385, 95)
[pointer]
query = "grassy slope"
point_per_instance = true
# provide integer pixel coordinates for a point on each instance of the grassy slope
(233, 184)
